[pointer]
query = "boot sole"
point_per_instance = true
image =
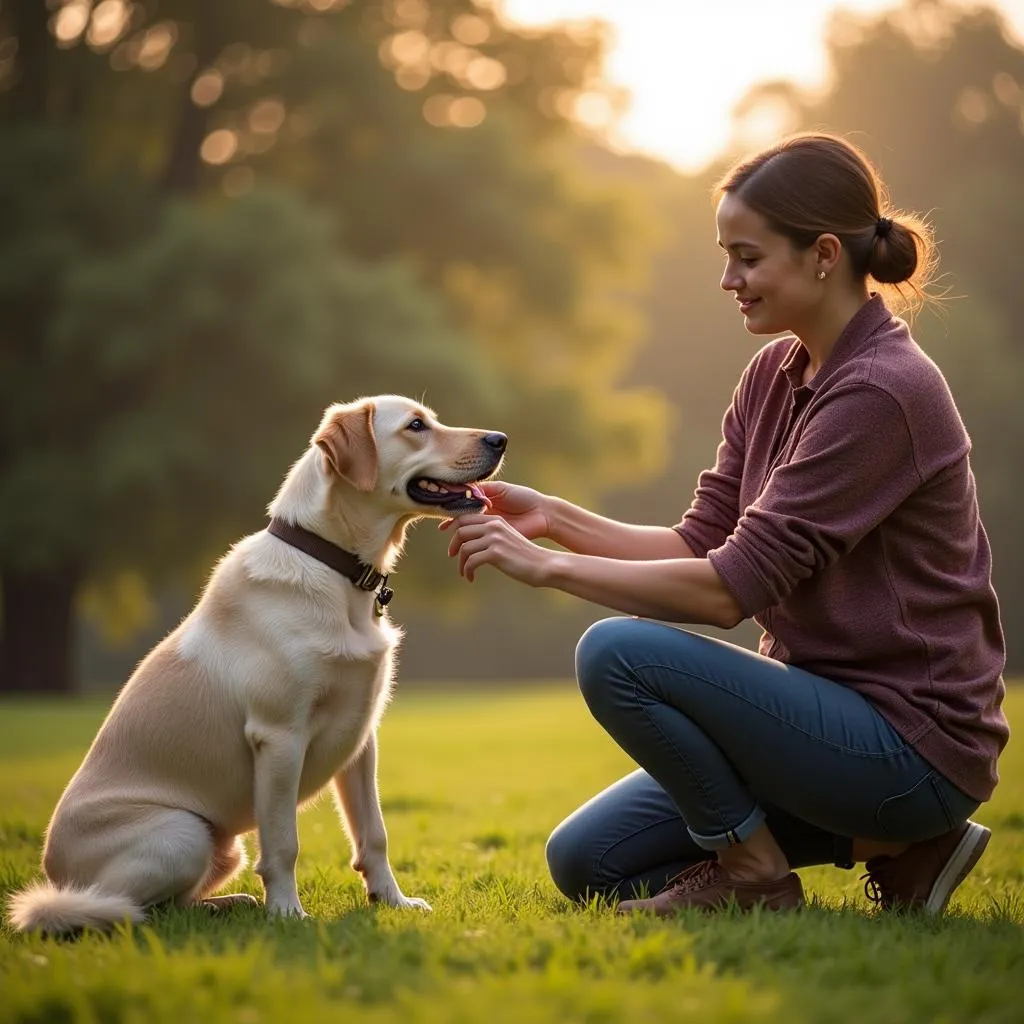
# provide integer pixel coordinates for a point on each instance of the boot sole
(960, 864)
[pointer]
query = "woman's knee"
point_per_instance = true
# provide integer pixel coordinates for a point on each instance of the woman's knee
(601, 658)
(569, 864)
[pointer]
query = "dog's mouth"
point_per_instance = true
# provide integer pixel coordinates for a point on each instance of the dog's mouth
(452, 496)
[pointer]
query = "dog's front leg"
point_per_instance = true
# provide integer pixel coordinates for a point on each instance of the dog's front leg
(277, 761)
(359, 801)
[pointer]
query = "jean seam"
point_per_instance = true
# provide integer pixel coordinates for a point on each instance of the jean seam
(941, 797)
(707, 798)
(791, 725)
(632, 835)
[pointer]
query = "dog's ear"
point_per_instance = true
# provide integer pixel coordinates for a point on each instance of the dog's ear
(347, 439)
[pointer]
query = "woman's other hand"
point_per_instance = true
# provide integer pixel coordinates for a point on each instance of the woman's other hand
(480, 540)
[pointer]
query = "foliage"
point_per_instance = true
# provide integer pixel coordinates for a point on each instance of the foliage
(192, 361)
(472, 784)
(224, 216)
(506, 246)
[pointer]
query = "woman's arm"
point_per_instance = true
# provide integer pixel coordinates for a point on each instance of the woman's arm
(587, 533)
(536, 515)
(676, 590)
(673, 589)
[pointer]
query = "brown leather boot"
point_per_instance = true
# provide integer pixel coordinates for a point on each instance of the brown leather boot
(706, 885)
(924, 876)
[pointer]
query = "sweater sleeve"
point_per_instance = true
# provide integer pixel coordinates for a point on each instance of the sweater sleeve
(714, 511)
(853, 464)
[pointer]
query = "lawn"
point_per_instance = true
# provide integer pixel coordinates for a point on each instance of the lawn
(472, 782)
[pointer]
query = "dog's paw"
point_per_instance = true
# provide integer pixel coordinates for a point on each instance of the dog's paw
(415, 903)
(226, 902)
(396, 899)
(286, 910)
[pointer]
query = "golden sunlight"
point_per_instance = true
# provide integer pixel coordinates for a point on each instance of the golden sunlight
(687, 65)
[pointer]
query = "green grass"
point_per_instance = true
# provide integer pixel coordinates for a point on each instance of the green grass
(472, 783)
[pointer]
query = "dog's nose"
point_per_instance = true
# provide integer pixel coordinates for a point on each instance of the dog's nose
(496, 441)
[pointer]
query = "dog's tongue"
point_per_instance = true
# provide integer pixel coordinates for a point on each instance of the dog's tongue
(479, 495)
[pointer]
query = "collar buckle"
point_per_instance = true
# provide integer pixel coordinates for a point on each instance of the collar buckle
(369, 578)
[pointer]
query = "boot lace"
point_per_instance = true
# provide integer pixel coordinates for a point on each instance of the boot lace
(701, 875)
(875, 883)
(872, 889)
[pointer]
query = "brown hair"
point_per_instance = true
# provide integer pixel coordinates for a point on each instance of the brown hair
(815, 183)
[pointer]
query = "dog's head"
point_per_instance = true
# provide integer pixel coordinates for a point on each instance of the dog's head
(395, 451)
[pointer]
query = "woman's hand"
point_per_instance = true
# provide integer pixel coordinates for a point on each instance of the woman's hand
(481, 540)
(523, 508)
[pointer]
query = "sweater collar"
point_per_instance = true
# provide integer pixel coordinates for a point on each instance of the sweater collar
(862, 325)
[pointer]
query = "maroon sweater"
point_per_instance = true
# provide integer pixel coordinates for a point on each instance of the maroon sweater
(842, 516)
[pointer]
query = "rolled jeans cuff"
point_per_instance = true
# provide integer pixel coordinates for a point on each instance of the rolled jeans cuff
(733, 836)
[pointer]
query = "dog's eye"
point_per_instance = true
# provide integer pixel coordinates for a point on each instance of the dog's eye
(417, 425)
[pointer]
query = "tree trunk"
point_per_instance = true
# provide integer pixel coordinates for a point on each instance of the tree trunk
(35, 607)
(36, 654)
(31, 90)
(182, 171)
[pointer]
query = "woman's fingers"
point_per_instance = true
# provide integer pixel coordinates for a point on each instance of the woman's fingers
(486, 540)
(476, 542)
(461, 535)
(468, 526)
(470, 540)
(473, 555)
(447, 524)
(473, 563)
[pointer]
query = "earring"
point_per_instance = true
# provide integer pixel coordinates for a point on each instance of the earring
(821, 275)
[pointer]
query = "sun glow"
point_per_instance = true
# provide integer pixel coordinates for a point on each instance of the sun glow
(687, 64)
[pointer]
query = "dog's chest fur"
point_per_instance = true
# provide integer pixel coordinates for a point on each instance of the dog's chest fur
(345, 706)
(311, 660)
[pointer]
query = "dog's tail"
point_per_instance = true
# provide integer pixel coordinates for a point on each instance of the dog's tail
(60, 910)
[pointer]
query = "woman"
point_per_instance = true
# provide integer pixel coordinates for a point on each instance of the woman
(841, 514)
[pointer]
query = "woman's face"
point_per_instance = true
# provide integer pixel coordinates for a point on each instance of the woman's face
(775, 284)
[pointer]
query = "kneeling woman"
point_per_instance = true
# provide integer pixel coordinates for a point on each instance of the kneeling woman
(841, 514)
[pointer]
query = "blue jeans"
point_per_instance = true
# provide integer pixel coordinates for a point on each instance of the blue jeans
(728, 740)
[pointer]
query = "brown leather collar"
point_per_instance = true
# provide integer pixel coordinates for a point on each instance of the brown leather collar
(364, 576)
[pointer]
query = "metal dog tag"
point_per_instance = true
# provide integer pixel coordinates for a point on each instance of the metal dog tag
(381, 600)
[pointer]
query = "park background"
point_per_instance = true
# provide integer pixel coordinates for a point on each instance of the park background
(219, 217)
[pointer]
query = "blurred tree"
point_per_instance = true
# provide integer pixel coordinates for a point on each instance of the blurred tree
(221, 216)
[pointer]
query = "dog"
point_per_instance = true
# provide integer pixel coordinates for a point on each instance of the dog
(271, 688)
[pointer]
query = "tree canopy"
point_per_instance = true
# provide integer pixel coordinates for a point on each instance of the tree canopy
(221, 216)
(224, 216)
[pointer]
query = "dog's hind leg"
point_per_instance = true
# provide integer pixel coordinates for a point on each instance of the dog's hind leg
(109, 864)
(164, 856)
(229, 858)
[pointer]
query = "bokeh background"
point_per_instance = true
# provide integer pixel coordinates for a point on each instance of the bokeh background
(218, 216)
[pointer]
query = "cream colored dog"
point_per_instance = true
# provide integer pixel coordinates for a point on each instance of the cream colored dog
(272, 687)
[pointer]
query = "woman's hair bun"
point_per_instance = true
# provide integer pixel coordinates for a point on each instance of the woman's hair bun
(894, 252)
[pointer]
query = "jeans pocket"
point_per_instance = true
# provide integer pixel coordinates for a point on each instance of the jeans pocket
(920, 812)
